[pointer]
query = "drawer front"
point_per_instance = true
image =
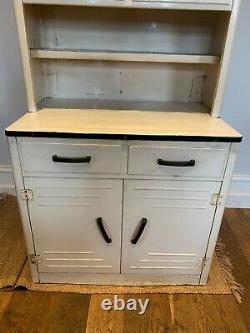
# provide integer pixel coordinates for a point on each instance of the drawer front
(179, 159)
(70, 156)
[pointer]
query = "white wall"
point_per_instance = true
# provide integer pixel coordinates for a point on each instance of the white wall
(235, 106)
(12, 93)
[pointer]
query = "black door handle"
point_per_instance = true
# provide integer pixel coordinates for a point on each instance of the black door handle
(61, 159)
(141, 228)
(190, 163)
(102, 230)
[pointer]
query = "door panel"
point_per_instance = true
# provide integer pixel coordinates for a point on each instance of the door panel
(64, 222)
(177, 218)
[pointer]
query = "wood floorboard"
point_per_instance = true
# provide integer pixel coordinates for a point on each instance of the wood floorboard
(239, 222)
(241, 267)
(222, 314)
(4, 302)
(157, 317)
(41, 312)
(100, 321)
(29, 312)
(188, 315)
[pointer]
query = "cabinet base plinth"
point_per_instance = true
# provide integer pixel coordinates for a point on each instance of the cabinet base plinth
(119, 279)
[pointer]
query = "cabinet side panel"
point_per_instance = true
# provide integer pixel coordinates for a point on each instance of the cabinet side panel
(219, 211)
(22, 204)
(226, 59)
(20, 20)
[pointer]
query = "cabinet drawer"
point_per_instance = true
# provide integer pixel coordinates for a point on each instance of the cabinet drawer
(70, 156)
(178, 159)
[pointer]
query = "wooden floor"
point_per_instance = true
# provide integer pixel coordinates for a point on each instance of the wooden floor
(31, 312)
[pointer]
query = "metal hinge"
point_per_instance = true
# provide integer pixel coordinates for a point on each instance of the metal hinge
(216, 199)
(35, 259)
(203, 262)
(26, 195)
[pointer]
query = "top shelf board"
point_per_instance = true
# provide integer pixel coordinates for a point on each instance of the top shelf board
(225, 5)
(120, 124)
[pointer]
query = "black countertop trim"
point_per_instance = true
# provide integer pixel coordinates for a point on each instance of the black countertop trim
(149, 137)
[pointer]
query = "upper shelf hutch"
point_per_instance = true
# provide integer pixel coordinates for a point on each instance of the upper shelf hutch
(126, 54)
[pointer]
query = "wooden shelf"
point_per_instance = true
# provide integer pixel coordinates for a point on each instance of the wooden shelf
(124, 56)
(67, 103)
(118, 122)
(166, 4)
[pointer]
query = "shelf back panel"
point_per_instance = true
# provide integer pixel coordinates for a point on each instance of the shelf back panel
(126, 30)
(122, 81)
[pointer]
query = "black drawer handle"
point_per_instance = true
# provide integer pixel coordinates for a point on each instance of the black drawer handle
(141, 228)
(61, 159)
(190, 163)
(103, 231)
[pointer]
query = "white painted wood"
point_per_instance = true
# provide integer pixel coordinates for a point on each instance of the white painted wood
(124, 56)
(238, 200)
(63, 217)
(36, 155)
(109, 158)
(25, 218)
(239, 193)
(226, 59)
(175, 200)
(20, 20)
(41, 150)
(163, 4)
(180, 217)
(220, 210)
(210, 159)
(120, 279)
(76, 62)
(183, 37)
(192, 37)
(123, 175)
(123, 122)
(6, 180)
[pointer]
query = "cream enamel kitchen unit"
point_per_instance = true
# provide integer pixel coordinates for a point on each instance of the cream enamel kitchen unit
(122, 164)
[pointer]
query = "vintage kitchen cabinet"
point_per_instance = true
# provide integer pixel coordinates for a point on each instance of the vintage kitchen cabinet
(122, 164)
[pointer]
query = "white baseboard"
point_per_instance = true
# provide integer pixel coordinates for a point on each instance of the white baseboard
(239, 194)
(6, 180)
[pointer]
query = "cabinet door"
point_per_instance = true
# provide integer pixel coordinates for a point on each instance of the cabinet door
(69, 219)
(166, 225)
